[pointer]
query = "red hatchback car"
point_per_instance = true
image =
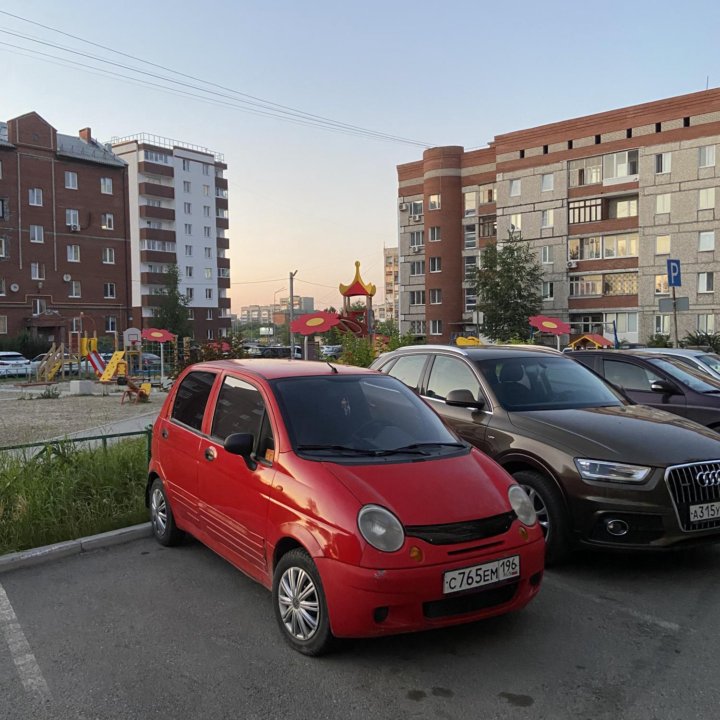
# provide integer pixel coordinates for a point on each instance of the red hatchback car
(343, 492)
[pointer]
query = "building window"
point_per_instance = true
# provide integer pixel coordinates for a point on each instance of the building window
(207, 272)
(186, 165)
(37, 271)
(547, 182)
(417, 327)
(706, 199)
(71, 182)
(705, 282)
(205, 169)
(73, 253)
(547, 218)
(208, 293)
(470, 264)
(3, 247)
(208, 252)
(620, 284)
(37, 234)
(106, 186)
(515, 222)
(662, 245)
(206, 190)
(435, 264)
(416, 207)
(662, 324)
(72, 219)
(35, 197)
(210, 334)
(206, 231)
(39, 306)
(624, 322)
(191, 312)
(75, 290)
(1, 172)
(586, 171)
(3, 324)
(470, 237)
(548, 290)
(188, 251)
(470, 203)
(706, 324)
(107, 221)
(436, 327)
(620, 165)
(416, 238)
(108, 256)
(706, 240)
(109, 291)
(589, 248)
(487, 226)
(515, 188)
(581, 285)
(206, 210)
(546, 254)
(662, 203)
(706, 156)
(436, 296)
(620, 246)
(110, 323)
(662, 163)
(622, 207)
(582, 211)
(188, 271)
(2, 286)
(470, 299)
(187, 208)
(435, 234)
(209, 314)
(417, 267)
(188, 229)
(152, 156)
(661, 284)
(186, 186)
(417, 297)
(190, 293)
(434, 202)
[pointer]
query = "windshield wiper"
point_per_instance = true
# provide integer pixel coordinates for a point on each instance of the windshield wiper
(418, 448)
(337, 448)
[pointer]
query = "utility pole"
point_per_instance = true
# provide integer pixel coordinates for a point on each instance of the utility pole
(292, 314)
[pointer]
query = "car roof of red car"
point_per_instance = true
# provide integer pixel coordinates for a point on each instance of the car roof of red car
(271, 369)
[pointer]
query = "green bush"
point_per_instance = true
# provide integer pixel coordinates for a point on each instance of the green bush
(64, 492)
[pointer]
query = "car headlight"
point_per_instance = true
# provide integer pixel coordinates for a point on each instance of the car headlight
(381, 528)
(611, 471)
(522, 505)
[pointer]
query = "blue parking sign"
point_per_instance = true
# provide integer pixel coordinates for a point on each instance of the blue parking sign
(673, 273)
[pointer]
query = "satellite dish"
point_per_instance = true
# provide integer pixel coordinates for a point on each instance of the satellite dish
(14, 287)
(67, 277)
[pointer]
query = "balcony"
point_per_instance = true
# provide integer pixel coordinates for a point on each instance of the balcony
(223, 262)
(163, 191)
(222, 223)
(147, 233)
(157, 256)
(222, 243)
(149, 300)
(223, 283)
(152, 168)
(158, 213)
(153, 278)
(221, 204)
(221, 182)
(223, 302)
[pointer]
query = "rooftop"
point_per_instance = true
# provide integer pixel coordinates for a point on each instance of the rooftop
(168, 143)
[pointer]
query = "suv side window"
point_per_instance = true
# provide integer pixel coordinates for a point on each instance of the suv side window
(191, 399)
(629, 376)
(240, 409)
(408, 369)
(448, 374)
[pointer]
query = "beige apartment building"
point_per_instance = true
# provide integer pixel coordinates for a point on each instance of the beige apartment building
(604, 200)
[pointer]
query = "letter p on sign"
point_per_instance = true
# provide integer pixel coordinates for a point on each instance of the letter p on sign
(673, 273)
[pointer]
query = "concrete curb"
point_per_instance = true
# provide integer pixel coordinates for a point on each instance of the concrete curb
(36, 556)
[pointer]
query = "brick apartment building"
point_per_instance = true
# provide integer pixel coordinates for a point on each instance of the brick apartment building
(604, 200)
(178, 200)
(63, 233)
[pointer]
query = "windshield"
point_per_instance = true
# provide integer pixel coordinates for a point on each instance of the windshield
(359, 415)
(545, 383)
(695, 379)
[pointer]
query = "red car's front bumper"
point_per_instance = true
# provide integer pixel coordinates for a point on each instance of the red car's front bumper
(363, 602)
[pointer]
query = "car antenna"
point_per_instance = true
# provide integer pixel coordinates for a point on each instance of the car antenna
(332, 367)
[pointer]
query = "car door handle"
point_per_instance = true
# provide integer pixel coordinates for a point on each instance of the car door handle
(210, 453)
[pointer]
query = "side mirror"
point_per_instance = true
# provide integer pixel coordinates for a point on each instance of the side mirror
(664, 387)
(241, 444)
(463, 398)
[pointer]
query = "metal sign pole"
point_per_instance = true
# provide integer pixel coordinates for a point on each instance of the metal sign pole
(674, 302)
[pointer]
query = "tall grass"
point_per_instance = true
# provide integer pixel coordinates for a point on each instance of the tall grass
(66, 492)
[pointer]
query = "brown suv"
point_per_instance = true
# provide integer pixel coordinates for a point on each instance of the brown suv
(600, 471)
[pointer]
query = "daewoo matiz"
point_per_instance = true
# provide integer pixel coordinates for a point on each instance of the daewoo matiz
(343, 492)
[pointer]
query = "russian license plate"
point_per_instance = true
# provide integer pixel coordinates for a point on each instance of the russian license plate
(479, 575)
(706, 511)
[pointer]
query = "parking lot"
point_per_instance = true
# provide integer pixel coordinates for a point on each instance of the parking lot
(138, 630)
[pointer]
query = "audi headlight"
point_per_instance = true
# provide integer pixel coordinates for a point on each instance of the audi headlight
(611, 472)
(522, 505)
(381, 528)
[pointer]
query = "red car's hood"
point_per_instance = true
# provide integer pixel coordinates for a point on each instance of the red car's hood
(432, 492)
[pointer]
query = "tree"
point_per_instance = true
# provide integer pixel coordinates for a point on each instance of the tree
(508, 286)
(172, 306)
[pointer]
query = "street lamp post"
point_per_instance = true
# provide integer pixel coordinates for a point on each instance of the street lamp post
(273, 310)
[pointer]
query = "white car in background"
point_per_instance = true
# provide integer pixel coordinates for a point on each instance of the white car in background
(14, 364)
(706, 361)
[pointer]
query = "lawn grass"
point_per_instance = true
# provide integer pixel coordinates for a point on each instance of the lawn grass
(67, 492)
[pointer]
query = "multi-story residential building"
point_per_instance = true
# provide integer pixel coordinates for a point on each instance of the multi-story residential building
(64, 248)
(605, 200)
(387, 310)
(178, 203)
